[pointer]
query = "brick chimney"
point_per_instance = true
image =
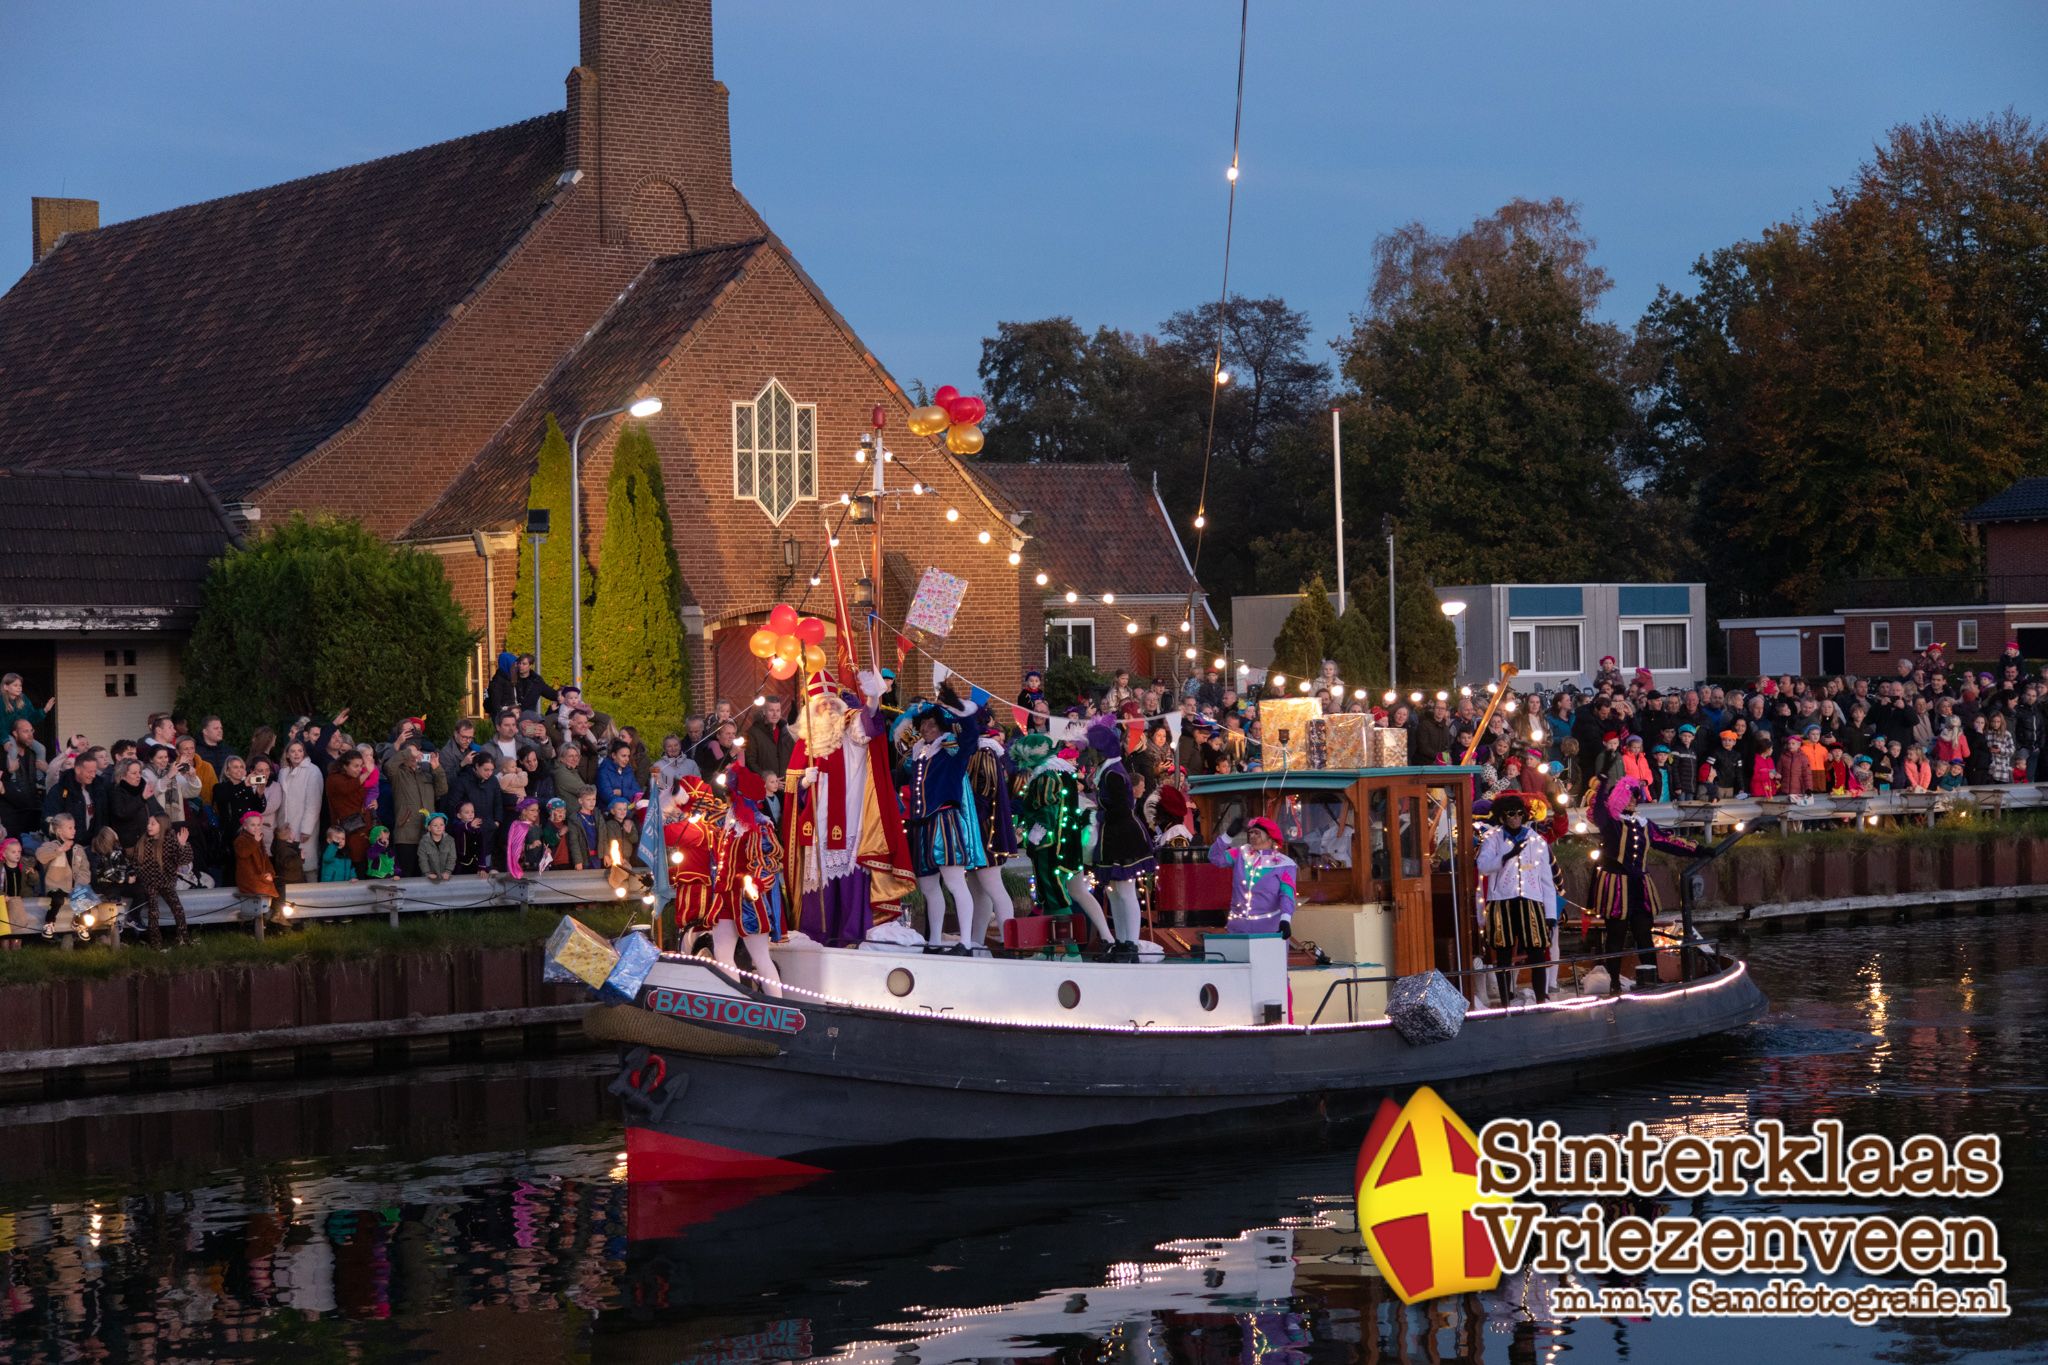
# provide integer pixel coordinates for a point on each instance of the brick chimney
(647, 121)
(52, 218)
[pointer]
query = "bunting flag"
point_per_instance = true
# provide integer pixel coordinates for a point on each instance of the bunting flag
(653, 851)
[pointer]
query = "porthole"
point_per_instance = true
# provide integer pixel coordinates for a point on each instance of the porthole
(1070, 994)
(901, 982)
(1208, 997)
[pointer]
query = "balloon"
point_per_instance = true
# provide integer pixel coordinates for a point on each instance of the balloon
(946, 394)
(789, 647)
(814, 658)
(782, 620)
(928, 421)
(964, 440)
(811, 631)
(780, 668)
(966, 411)
(762, 645)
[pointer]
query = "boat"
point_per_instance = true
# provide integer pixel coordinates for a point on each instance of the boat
(878, 1057)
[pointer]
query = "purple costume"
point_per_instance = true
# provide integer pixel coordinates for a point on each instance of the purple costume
(1261, 887)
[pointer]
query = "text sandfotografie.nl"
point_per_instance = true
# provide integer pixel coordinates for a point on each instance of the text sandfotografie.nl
(1861, 1304)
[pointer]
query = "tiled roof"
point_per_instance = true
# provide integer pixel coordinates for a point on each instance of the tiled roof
(2026, 500)
(628, 344)
(229, 338)
(1097, 527)
(86, 542)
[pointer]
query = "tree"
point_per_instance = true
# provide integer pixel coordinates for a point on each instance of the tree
(1833, 395)
(1304, 638)
(638, 671)
(318, 615)
(1483, 386)
(548, 490)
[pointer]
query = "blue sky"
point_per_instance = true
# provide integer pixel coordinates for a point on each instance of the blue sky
(939, 167)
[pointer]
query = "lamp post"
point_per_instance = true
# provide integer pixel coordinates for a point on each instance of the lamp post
(537, 519)
(1456, 611)
(1337, 480)
(1387, 527)
(645, 407)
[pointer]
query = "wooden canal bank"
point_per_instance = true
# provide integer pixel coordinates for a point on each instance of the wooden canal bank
(313, 1016)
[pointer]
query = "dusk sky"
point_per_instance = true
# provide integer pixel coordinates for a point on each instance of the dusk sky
(941, 167)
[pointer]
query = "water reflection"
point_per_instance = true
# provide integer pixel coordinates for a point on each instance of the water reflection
(484, 1213)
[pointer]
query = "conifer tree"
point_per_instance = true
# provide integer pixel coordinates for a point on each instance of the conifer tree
(633, 650)
(548, 489)
(1302, 644)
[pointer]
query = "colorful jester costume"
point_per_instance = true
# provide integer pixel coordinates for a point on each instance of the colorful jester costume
(1048, 812)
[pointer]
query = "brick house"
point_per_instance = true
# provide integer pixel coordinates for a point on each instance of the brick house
(385, 341)
(100, 582)
(1098, 530)
(1881, 620)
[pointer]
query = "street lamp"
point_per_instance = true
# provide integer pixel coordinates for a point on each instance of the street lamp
(537, 519)
(1455, 609)
(644, 407)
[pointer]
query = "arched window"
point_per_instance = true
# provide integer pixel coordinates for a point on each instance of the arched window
(775, 451)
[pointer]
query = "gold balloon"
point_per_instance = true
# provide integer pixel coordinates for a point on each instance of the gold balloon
(814, 659)
(789, 647)
(762, 644)
(964, 440)
(928, 421)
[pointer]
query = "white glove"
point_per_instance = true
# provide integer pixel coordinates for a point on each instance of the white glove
(870, 684)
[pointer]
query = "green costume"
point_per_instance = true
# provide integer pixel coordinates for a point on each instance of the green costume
(1050, 821)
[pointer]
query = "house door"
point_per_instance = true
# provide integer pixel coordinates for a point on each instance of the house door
(1833, 659)
(1777, 652)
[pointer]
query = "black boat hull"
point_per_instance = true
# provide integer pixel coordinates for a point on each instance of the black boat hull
(855, 1087)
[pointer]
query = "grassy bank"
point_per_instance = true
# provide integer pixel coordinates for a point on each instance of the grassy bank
(318, 940)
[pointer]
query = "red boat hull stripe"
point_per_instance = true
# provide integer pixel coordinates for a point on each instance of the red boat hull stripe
(656, 1156)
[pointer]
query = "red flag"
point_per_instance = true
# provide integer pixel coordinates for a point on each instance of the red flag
(847, 668)
(903, 648)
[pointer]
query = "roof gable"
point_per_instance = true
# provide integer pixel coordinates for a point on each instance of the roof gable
(2026, 500)
(623, 350)
(230, 338)
(1097, 527)
(82, 547)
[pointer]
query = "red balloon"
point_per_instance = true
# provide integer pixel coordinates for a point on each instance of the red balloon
(966, 411)
(811, 631)
(782, 620)
(946, 394)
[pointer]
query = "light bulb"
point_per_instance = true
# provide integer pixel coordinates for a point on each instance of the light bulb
(647, 899)
(1443, 695)
(952, 514)
(1041, 579)
(1109, 599)
(1231, 174)
(1200, 521)
(860, 457)
(846, 499)
(1304, 686)
(1183, 627)
(833, 541)
(1073, 596)
(1279, 679)
(1222, 376)
(1130, 627)
(761, 700)
(1217, 664)
(1015, 559)
(1189, 651)
(1358, 694)
(676, 858)
(917, 487)
(1415, 698)
(1159, 642)
(1244, 668)
(1464, 691)
(815, 580)
(619, 891)
(1391, 697)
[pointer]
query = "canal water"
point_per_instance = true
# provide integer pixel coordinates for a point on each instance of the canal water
(482, 1213)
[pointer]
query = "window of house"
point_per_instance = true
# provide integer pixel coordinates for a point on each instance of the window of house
(1923, 634)
(1880, 637)
(1966, 637)
(775, 451)
(120, 683)
(1655, 645)
(1545, 648)
(1069, 638)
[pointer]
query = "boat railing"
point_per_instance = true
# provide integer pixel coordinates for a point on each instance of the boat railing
(1696, 959)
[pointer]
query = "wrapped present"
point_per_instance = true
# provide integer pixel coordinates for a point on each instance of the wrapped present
(637, 956)
(1344, 740)
(1426, 1008)
(577, 954)
(1319, 742)
(1386, 746)
(1283, 731)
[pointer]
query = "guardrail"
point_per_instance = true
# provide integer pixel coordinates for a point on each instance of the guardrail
(1894, 806)
(397, 896)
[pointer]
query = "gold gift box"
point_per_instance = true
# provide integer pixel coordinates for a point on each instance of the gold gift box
(1344, 740)
(1386, 746)
(1283, 730)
